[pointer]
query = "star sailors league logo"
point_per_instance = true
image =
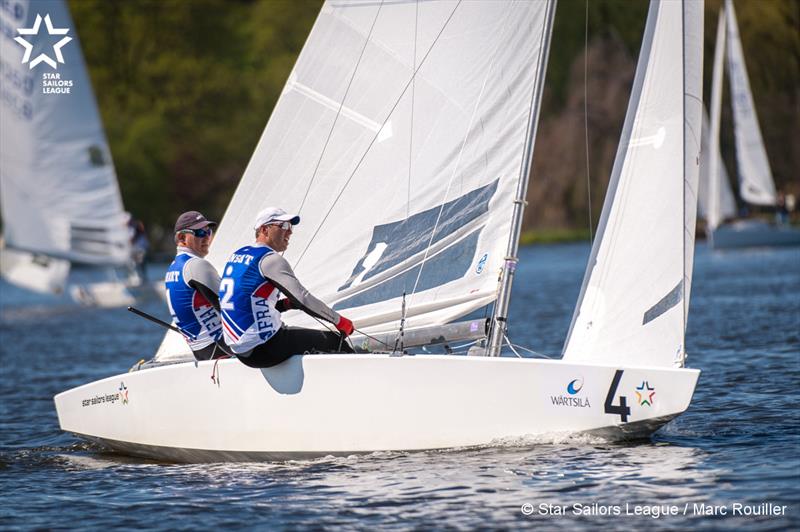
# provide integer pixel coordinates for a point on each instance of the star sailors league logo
(42, 57)
(645, 393)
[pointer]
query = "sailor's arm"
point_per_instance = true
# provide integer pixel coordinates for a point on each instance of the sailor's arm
(201, 275)
(277, 269)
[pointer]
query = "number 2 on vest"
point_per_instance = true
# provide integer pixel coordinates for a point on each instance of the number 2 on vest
(226, 291)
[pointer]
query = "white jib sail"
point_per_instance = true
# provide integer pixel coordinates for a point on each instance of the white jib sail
(724, 204)
(634, 299)
(58, 187)
(399, 140)
(756, 185)
(716, 197)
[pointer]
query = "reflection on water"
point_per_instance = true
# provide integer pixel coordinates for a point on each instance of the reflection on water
(738, 443)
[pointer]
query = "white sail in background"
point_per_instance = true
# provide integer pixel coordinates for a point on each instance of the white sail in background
(724, 204)
(716, 197)
(39, 273)
(58, 188)
(756, 185)
(634, 299)
(399, 140)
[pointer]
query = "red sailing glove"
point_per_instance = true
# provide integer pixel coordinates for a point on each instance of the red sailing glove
(345, 326)
(283, 304)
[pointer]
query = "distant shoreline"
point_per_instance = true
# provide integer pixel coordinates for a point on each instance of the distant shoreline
(552, 236)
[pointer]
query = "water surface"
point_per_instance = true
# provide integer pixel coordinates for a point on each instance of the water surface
(738, 443)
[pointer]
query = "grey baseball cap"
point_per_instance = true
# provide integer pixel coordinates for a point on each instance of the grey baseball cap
(192, 220)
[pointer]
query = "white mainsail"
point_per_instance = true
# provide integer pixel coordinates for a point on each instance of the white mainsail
(633, 303)
(345, 403)
(756, 185)
(399, 139)
(58, 188)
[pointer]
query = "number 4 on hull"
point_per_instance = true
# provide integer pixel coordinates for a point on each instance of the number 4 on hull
(623, 409)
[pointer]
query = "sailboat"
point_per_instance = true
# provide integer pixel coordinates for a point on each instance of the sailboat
(60, 200)
(756, 185)
(404, 138)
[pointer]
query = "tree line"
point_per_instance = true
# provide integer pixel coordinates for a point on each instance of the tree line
(185, 88)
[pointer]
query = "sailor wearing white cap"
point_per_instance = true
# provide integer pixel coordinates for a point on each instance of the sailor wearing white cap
(253, 280)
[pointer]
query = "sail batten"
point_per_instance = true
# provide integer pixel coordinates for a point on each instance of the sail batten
(372, 229)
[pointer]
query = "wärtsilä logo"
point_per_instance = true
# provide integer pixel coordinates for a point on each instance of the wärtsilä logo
(573, 389)
(574, 386)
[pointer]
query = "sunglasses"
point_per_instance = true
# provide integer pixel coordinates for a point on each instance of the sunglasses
(199, 233)
(283, 225)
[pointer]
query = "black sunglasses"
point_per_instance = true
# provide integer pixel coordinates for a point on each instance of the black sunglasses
(199, 233)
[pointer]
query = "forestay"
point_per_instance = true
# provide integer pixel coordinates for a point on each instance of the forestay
(633, 302)
(756, 185)
(58, 191)
(399, 139)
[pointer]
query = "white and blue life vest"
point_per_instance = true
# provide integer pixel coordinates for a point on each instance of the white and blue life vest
(191, 311)
(247, 300)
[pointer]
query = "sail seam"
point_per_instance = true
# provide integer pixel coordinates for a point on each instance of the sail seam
(339, 111)
(374, 138)
(478, 101)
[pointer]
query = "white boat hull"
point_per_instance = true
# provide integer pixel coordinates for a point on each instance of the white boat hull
(315, 405)
(754, 233)
(39, 273)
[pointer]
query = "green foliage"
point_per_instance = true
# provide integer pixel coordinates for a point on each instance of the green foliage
(552, 236)
(624, 19)
(185, 87)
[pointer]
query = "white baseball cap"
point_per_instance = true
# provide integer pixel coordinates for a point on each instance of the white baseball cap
(274, 214)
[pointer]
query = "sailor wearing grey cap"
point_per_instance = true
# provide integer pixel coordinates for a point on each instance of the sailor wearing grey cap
(192, 284)
(250, 292)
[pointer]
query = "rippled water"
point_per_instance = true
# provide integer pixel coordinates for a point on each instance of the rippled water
(738, 443)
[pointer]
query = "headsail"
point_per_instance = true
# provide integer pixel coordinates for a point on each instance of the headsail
(756, 185)
(716, 198)
(399, 139)
(58, 190)
(634, 299)
(714, 209)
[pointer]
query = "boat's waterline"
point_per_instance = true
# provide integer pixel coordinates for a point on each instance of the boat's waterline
(315, 405)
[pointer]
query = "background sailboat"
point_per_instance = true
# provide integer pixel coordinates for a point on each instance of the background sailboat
(60, 200)
(404, 140)
(756, 184)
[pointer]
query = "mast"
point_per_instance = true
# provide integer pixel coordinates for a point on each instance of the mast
(713, 215)
(500, 319)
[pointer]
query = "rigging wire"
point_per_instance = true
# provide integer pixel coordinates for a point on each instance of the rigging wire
(339, 111)
(508, 342)
(359, 331)
(375, 137)
(411, 130)
(531, 351)
(455, 168)
(586, 114)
